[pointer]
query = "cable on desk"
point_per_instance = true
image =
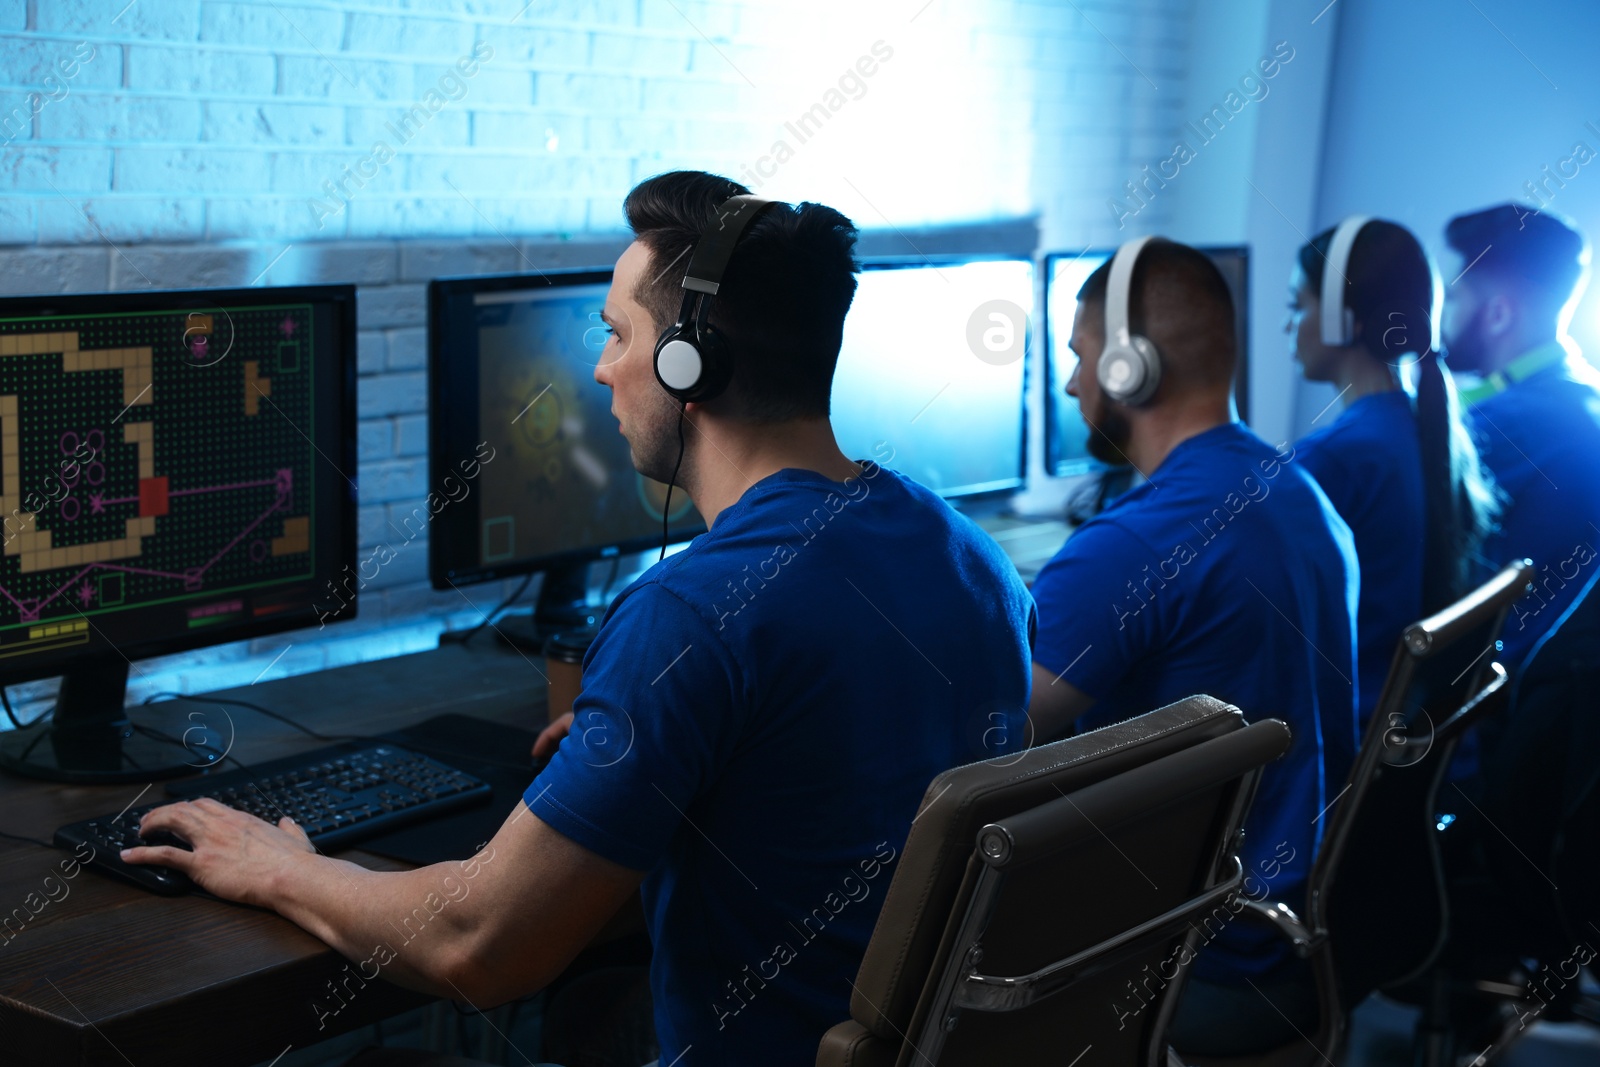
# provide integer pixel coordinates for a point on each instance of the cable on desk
(27, 840)
(160, 735)
(491, 616)
(155, 698)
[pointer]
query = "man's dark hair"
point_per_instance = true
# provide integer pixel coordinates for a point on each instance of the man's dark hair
(782, 302)
(1181, 302)
(1541, 256)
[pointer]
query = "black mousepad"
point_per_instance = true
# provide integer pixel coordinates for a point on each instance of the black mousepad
(498, 754)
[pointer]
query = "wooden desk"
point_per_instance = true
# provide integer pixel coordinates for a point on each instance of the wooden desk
(110, 974)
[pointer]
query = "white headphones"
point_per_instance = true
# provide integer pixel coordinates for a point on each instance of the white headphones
(1338, 321)
(1130, 366)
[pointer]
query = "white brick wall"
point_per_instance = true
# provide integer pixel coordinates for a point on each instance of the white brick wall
(192, 144)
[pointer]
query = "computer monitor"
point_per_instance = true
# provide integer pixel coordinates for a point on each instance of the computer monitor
(176, 470)
(511, 377)
(930, 378)
(1066, 436)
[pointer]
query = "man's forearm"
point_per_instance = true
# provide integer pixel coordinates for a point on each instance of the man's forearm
(485, 929)
(384, 921)
(1054, 705)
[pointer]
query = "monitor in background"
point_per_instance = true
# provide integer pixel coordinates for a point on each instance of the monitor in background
(176, 470)
(511, 377)
(1066, 436)
(910, 390)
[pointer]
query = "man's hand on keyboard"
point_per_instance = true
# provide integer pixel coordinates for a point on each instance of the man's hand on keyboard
(235, 854)
(550, 737)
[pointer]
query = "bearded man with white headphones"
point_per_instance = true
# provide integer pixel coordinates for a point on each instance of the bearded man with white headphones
(1227, 572)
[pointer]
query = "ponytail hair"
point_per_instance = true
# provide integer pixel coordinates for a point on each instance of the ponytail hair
(1393, 291)
(1462, 500)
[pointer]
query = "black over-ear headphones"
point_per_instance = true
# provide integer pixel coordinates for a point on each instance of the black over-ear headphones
(691, 359)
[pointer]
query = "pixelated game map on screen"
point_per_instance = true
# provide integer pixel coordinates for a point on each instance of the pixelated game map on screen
(151, 458)
(562, 480)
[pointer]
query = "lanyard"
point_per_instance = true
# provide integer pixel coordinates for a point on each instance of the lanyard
(1520, 369)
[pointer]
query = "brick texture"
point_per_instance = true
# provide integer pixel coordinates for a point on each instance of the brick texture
(226, 142)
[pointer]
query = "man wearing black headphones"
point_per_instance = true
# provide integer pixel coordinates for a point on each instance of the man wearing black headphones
(1228, 573)
(761, 712)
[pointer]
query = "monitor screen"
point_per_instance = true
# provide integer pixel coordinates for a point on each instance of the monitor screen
(512, 362)
(1066, 436)
(911, 378)
(176, 469)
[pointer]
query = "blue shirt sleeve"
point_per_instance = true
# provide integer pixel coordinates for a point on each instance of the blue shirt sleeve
(654, 723)
(1095, 620)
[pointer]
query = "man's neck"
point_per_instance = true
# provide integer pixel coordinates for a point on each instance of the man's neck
(1513, 347)
(1163, 430)
(731, 456)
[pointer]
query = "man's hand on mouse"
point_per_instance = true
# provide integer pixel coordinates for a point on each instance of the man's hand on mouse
(235, 854)
(550, 737)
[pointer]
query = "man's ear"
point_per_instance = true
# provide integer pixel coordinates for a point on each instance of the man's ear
(1498, 314)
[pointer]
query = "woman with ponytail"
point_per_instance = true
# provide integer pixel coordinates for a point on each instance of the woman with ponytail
(1398, 464)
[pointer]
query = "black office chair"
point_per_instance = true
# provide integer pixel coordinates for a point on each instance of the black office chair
(1541, 785)
(1376, 914)
(1043, 901)
(1526, 879)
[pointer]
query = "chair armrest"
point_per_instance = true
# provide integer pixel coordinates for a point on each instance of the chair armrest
(849, 1044)
(1282, 918)
(987, 992)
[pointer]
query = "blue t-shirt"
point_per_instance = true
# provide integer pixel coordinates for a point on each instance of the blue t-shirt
(1227, 573)
(1541, 439)
(760, 717)
(1369, 463)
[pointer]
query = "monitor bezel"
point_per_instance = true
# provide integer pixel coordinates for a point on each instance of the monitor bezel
(1061, 467)
(442, 431)
(989, 490)
(342, 297)
(440, 437)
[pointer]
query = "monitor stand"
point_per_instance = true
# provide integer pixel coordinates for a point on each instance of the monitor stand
(563, 604)
(89, 738)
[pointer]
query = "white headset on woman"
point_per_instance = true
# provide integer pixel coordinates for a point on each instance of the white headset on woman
(1338, 321)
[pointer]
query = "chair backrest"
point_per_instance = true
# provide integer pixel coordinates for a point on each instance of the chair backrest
(1376, 891)
(1541, 789)
(1077, 864)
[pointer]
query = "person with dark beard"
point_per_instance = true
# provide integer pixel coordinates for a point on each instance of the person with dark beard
(1536, 406)
(761, 712)
(1226, 572)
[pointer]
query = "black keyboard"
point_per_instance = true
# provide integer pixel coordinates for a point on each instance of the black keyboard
(338, 795)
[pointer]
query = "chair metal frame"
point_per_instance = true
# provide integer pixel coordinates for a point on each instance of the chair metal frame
(1031, 835)
(1485, 694)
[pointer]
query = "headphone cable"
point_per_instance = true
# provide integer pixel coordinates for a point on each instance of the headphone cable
(666, 509)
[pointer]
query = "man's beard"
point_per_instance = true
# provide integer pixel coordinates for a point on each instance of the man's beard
(1466, 353)
(655, 445)
(1108, 437)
